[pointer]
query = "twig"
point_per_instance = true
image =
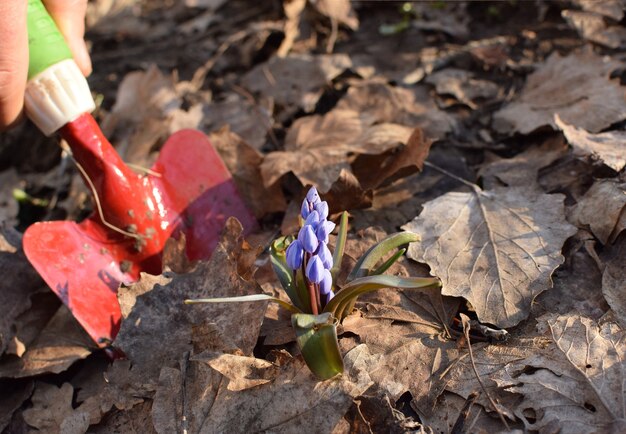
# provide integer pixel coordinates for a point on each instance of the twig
(453, 176)
(466, 329)
(332, 39)
(96, 199)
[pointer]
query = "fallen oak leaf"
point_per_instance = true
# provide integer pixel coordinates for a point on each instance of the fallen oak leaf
(496, 248)
(52, 410)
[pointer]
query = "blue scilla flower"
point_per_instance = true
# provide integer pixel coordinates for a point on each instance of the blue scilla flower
(326, 285)
(322, 209)
(310, 201)
(308, 239)
(323, 230)
(295, 255)
(325, 256)
(313, 219)
(315, 270)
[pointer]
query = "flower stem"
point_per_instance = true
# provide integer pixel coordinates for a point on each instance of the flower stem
(312, 297)
(310, 286)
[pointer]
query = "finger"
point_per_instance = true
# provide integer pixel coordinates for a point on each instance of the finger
(13, 60)
(69, 15)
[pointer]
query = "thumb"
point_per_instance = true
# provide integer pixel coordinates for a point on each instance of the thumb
(13, 60)
(69, 16)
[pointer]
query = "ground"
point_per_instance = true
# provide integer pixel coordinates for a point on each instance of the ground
(494, 130)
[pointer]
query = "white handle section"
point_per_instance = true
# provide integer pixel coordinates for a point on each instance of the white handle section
(57, 96)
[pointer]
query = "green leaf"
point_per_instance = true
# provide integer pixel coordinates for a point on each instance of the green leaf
(243, 299)
(389, 262)
(340, 246)
(317, 340)
(365, 265)
(284, 273)
(346, 297)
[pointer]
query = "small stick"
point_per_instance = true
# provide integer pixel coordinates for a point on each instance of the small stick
(99, 206)
(466, 329)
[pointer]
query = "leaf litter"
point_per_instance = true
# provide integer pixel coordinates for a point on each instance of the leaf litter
(495, 131)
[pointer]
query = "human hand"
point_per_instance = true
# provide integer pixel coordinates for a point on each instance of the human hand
(69, 15)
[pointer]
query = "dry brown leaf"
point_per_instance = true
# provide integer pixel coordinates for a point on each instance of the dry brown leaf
(59, 344)
(497, 248)
(8, 205)
(243, 162)
(609, 8)
(555, 87)
(52, 410)
(381, 169)
(13, 395)
(602, 209)
(138, 119)
(293, 10)
(347, 193)
(609, 147)
(295, 81)
(463, 86)
(249, 119)
(411, 107)
(399, 202)
(242, 372)
(594, 28)
(449, 17)
(17, 287)
(159, 314)
(318, 148)
(401, 346)
(614, 279)
(340, 10)
(577, 286)
(521, 170)
(291, 401)
(592, 355)
(570, 379)
(135, 420)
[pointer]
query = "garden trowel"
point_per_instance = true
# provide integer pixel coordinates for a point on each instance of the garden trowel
(188, 191)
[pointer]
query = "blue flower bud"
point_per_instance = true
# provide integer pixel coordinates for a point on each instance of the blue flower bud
(294, 254)
(323, 230)
(304, 209)
(325, 256)
(326, 285)
(322, 209)
(325, 298)
(313, 219)
(308, 239)
(313, 196)
(315, 270)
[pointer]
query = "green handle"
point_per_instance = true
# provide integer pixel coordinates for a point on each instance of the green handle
(46, 44)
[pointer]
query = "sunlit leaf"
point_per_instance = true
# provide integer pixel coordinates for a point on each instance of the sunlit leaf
(338, 306)
(317, 340)
(367, 263)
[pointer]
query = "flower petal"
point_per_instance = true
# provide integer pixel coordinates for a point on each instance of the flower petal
(313, 219)
(315, 270)
(307, 237)
(313, 196)
(322, 209)
(325, 255)
(323, 230)
(326, 285)
(294, 254)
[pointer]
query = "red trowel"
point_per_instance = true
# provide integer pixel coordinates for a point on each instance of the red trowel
(188, 191)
